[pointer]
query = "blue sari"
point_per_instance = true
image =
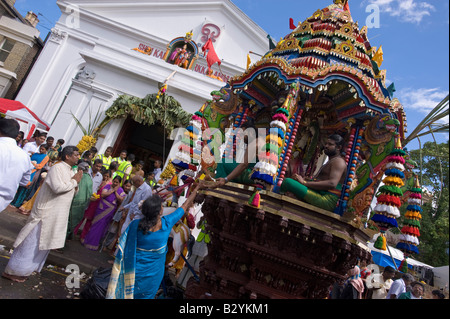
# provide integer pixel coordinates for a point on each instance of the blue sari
(26, 192)
(140, 262)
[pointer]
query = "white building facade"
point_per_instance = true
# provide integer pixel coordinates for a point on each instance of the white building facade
(88, 60)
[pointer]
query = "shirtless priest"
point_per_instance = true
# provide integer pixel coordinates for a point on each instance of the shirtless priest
(325, 188)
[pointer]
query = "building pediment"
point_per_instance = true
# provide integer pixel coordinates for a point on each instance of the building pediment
(234, 34)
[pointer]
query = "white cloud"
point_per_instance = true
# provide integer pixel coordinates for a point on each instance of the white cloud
(407, 10)
(422, 100)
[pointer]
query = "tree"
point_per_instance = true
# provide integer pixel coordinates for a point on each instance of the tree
(433, 170)
(435, 216)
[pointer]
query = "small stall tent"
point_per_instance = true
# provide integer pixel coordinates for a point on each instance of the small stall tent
(16, 110)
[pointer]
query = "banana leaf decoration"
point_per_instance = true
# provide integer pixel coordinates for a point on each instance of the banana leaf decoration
(148, 111)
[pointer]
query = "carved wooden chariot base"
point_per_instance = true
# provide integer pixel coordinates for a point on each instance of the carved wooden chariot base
(284, 249)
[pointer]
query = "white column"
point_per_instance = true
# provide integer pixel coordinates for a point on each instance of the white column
(37, 79)
(83, 100)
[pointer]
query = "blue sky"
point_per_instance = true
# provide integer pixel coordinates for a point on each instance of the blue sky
(414, 35)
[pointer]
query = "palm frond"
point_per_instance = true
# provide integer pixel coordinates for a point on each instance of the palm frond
(92, 124)
(442, 128)
(77, 121)
(438, 113)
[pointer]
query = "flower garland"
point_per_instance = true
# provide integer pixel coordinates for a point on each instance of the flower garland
(388, 197)
(409, 239)
(189, 152)
(278, 144)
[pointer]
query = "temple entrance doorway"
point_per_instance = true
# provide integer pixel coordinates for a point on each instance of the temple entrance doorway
(147, 143)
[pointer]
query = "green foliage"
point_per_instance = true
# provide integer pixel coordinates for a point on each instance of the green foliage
(435, 233)
(434, 157)
(150, 110)
(434, 229)
(92, 124)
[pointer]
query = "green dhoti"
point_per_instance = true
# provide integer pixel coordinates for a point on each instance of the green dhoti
(224, 169)
(322, 199)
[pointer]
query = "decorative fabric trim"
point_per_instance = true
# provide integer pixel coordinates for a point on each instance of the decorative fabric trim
(395, 165)
(384, 220)
(390, 210)
(407, 247)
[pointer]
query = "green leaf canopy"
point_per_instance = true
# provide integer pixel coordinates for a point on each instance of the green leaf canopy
(149, 110)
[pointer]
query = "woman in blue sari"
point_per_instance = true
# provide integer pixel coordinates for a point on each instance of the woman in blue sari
(39, 160)
(140, 262)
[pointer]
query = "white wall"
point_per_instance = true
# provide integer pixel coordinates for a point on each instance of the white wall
(441, 275)
(101, 39)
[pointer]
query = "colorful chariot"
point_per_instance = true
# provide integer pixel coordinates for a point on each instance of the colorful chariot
(322, 78)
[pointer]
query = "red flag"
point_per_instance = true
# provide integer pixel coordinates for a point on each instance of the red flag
(291, 24)
(211, 57)
(347, 7)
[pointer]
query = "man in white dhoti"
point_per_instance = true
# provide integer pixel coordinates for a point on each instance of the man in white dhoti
(47, 225)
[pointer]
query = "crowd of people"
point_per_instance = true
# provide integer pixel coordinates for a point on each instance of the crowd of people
(363, 283)
(97, 198)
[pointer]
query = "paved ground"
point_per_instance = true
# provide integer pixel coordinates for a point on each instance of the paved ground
(51, 282)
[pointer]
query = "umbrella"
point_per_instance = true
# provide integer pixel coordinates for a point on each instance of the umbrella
(17, 110)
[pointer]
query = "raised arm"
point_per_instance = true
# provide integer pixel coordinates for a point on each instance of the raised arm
(190, 200)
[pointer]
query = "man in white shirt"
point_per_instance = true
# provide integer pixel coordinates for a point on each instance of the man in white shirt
(142, 192)
(96, 175)
(158, 170)
(378, 284)
(399, 286)
(15, 165)
(33, 147)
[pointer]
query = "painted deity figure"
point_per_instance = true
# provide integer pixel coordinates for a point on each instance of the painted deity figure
(185, 61)
(181, 55)
(174, 55)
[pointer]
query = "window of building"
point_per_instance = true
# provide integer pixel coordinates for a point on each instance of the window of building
(6, 47)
